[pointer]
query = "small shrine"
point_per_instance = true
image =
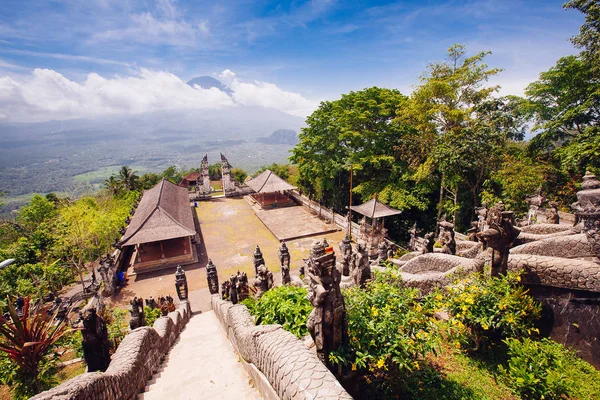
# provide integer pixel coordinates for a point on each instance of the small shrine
(373, 233)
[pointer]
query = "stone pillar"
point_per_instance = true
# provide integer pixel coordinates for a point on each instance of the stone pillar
(587, 208)
(212, 277)
(181, 286)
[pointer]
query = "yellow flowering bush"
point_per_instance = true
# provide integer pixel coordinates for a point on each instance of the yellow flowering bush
(388, 325)
(485, 308)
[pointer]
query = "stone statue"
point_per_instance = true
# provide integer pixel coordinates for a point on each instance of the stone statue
(495, 213)
(346, 251)
(414, 233)
(107, 273)
(535, 202)
(361, 268)
(284, 255)
(263, 281)
(233, 287)
(382, 251)
(482, 213)
(472, 231)
(166, 305)
(552, 216)
(181, 286)
(447, 238)
(429, 242)
(151, 303)
(327, 322)
(212, 277)
(587, 208)
(243, 289)
(225, 286)
(500, 236)
(95, 341)
(258, 259)
(137, 313)
(285, 274)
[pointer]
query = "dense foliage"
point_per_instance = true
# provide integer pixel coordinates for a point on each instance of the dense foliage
(29, 341)
(486, 309)
(388, 326)
(285, 305)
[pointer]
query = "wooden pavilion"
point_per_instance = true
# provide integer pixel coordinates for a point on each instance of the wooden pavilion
(375, 233)
(270, 190)
(162, 229)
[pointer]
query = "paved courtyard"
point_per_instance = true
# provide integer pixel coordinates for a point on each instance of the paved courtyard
(305, 224)
(230, 232)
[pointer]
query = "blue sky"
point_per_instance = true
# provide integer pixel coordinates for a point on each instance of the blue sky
(299, 51)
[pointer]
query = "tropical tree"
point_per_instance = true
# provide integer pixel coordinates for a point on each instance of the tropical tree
(128, 178)
(454, 109)
(356, 134)
(36, 212)
(28, 339)
(113, 185)
(588, 38)
(214, 171)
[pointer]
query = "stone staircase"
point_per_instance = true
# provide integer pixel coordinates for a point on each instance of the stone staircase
(201, 364)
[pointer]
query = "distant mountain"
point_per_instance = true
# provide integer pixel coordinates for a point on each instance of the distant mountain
(281, 136)
(207, 82)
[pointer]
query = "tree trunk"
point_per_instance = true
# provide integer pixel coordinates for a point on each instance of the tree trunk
(440, 206)
(455, 208)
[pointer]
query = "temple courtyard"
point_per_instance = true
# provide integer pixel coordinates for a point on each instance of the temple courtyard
(229, 233)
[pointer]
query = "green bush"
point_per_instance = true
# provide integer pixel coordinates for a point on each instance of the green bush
(547, 370)
(535, 369)
(486, 309)
(388, 325)
(284, 305)
(151, 315)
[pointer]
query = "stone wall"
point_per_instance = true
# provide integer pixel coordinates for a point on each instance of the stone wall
(571, 317)
(136, 359)
(290, 369)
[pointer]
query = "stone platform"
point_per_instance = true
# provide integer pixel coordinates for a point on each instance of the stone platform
(293, 222)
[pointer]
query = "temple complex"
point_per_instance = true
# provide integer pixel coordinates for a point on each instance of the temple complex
(162, 229)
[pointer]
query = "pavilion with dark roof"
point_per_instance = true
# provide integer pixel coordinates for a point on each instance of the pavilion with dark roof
(162, 229)
(269, 190)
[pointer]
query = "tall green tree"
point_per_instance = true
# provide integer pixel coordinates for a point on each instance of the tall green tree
(588, 38)
(38, 210)
(454, 107)
(357, 133)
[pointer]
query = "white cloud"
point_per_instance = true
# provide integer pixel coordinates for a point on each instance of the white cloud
(266, 94)
(46, 94)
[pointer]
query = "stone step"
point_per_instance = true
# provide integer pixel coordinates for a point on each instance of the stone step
(202, 364)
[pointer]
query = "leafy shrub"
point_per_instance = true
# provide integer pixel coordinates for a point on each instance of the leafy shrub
(388, 325)
(116, 325)
(488, 308)
(536, 368)
(284, 305)
(151, 315)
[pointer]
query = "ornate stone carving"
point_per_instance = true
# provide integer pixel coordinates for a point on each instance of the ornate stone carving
(587, 208)
(263, 281)
(151, 303)
(284, 254)
(473, 230)
(361, 268)
(258, 259)
(327, 322)
(346, 251)
(181, 286)
(482, 213)
(500, 236)
(233, 289)
(166, 305)
(95, 341)
(414, 234)
(447, 237)
(429, 242)
(108, 275)
(243, 289)
(225, 287)
(382, 251)
(552, 216)
(212, 277)
(535, 202)
(137, 313)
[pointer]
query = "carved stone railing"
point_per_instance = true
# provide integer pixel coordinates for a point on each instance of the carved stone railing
(280, 364)
(138, 357)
